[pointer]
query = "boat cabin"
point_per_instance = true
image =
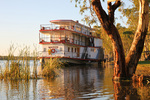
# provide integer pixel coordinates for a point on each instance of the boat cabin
(69, 39)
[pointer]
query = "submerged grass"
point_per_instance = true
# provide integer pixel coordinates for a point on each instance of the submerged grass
(20, 68)
(17, 68)
(52, 68)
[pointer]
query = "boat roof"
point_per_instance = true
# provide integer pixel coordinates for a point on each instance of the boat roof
(68, 22)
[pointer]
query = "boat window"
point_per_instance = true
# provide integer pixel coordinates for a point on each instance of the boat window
(71, 49)
(75, 49)
(52, 38)
(92, 49)
(44, 49)
(78, 28)
(60, 49)
(68, 49)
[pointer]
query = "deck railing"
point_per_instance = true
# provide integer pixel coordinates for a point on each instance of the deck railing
(75, 28)
(61, 40)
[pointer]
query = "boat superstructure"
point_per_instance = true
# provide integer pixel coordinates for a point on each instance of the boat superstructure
(70, 41)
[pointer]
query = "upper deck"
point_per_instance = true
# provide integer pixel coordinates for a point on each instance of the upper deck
(69, 25)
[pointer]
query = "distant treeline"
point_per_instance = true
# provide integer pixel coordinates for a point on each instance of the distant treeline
(16, 57)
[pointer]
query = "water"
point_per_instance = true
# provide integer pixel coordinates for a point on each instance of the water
(75, 83)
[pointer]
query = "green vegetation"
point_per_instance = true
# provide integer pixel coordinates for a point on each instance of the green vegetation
(144, 62)
(17, 68)
(126, 33)
(131, 14)
(52, 68)
(20, 68)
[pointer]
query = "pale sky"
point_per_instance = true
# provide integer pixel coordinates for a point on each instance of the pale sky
(20, 20)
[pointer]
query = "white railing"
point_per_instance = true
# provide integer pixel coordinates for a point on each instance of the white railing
(75, 28)
(61, 39)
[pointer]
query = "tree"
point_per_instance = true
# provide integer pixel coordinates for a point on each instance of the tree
(131, 13)
(123, 67)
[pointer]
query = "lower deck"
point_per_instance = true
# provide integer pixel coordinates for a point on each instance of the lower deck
(61, 50)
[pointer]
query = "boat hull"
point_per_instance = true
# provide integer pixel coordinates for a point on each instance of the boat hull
(72, 60)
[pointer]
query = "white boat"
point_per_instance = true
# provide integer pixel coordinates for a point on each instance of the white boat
(70, 41)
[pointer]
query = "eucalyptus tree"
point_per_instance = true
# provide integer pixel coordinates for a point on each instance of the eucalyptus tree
(124, 67)
(131, 13)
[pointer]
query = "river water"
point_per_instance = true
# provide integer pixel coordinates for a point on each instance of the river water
(90, 82)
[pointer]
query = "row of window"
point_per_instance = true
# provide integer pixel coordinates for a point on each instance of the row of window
(93, 49)
(71, 49)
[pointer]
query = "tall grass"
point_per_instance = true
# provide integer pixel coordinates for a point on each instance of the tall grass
(52, 68)
(19, 68)
(35, 55)
(1, 73)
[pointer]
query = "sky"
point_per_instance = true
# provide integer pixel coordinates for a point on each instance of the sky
(20, 20)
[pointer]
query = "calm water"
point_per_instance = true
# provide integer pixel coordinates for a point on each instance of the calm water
(75, 83)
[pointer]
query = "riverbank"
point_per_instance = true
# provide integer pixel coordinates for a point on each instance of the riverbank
(143, 68)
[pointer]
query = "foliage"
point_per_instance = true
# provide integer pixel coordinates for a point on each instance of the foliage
(126, 33)
(132, 13)
(52, 68)
(85, 6)
(106, 41)
(126, 36)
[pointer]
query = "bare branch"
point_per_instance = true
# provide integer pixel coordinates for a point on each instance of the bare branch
(111, 9)
(116, 5)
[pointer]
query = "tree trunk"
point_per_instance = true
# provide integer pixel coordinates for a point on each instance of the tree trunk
(123, 67)
(119, 57)
(139, 38)
(111, 30)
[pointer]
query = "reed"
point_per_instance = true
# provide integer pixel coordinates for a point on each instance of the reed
(26, 74)
(52, 68)
(35, 62)
(10, 61)
(19, 68)
(14, 72)
(1, 73)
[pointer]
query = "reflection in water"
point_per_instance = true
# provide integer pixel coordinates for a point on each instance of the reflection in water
(131, 91)
(125, 91)
(78, 83)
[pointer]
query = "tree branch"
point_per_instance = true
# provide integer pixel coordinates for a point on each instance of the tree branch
(111, 10)
(116, 4)
(139, 37)
(101, 14)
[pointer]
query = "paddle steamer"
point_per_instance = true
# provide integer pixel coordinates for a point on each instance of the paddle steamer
(70, 41)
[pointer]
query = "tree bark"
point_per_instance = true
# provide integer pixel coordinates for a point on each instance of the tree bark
(139, 38)
(123, 67)
(111, 30)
